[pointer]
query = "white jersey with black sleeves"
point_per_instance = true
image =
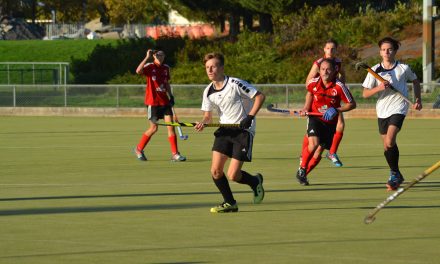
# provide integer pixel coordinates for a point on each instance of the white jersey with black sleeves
(233, 101)
(389, 102)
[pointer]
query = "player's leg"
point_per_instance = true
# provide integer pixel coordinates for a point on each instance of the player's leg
(242, 152)
(314, 161)
(152, 129)
(337, 138)
(172, 138)
(307, 156)
(305, 144)
(389, 131)
(229, 204)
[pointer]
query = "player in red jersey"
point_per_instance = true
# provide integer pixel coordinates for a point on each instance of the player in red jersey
(330, 49)
(324, 95)
(159, 101)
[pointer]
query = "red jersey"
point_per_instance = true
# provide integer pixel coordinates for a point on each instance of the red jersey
(330, 96)
(157, 77)
(338, 65)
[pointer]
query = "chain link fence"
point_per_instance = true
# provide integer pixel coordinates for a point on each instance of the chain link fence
(188, 95)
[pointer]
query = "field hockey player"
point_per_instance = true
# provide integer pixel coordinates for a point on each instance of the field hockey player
(237, 102)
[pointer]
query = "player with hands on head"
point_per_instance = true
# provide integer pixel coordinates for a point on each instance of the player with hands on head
(324, 95)
(159, 101)
(391, 107)
(330, 50)
(237, 102)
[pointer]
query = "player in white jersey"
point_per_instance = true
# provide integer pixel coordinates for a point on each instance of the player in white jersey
(237, 102)
(391, 108)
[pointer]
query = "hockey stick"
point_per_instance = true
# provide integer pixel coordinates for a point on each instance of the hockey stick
(179, 129)
(365, 66)
(370, 217)
(184, 124)
(271, 108)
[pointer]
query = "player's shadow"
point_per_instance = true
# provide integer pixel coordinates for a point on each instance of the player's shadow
(101, 209)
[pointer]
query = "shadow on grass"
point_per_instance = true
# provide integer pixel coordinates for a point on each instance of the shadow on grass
(295, 186)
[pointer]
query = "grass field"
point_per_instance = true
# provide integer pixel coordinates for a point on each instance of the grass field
(71, 191)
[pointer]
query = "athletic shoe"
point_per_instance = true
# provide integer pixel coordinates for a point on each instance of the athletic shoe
(139, 154)
(225, 208)
(394, 181)
(177, 157)
(259, 190)
(301, 176)
(335, 159)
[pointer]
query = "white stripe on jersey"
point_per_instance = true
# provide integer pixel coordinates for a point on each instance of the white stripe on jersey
(345, 90)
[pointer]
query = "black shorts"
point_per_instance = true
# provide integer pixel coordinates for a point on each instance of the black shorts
(384, 123)
(322, 130)
(158, 112)
(234, 143)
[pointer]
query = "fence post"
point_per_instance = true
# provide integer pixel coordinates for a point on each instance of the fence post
(9, 74)
(14, 97)
(117, 96)
(65, 95)
(287, 96)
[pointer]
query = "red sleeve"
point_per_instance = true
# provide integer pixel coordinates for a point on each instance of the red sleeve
(346, 95)
(146, 70)
(311, 84)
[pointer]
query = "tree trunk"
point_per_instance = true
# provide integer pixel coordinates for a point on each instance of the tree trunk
(248, 21)
(266, 25)
(221, 19)
(234, 25)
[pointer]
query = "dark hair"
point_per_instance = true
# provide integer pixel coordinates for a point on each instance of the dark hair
(214, 55)
(393, 42)
(329, 61)
(331, 41)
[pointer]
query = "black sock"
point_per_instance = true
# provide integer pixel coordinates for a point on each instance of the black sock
(248, 179)
(392, 157)
(223, 186)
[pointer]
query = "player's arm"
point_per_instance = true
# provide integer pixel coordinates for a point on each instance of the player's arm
(347, 107)
(307, 103)
(312, 73)
(207, 118)
(368, 92)
(417, 94)
(141, 65)
(258, 102)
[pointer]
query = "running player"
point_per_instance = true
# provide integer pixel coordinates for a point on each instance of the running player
(237, 102)
(391, 108)
(324, 95)
(159, 101)
(330, 49)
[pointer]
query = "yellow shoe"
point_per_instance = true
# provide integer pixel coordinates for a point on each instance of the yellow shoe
(225, 208)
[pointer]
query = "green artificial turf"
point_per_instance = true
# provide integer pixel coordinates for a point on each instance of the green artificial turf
(71, 191)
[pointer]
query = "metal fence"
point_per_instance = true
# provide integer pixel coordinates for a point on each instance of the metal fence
(188, 95)
(34, 73)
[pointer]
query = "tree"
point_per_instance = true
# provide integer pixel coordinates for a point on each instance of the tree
(132, 11)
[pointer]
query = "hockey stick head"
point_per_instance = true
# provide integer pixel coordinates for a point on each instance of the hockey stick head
(181, 135)
(369, 219)
(271, 108)
(361, 65)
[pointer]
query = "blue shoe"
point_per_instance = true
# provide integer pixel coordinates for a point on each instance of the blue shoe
(139, 154)
(334, 158)
(177, 157)
(396, 178)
